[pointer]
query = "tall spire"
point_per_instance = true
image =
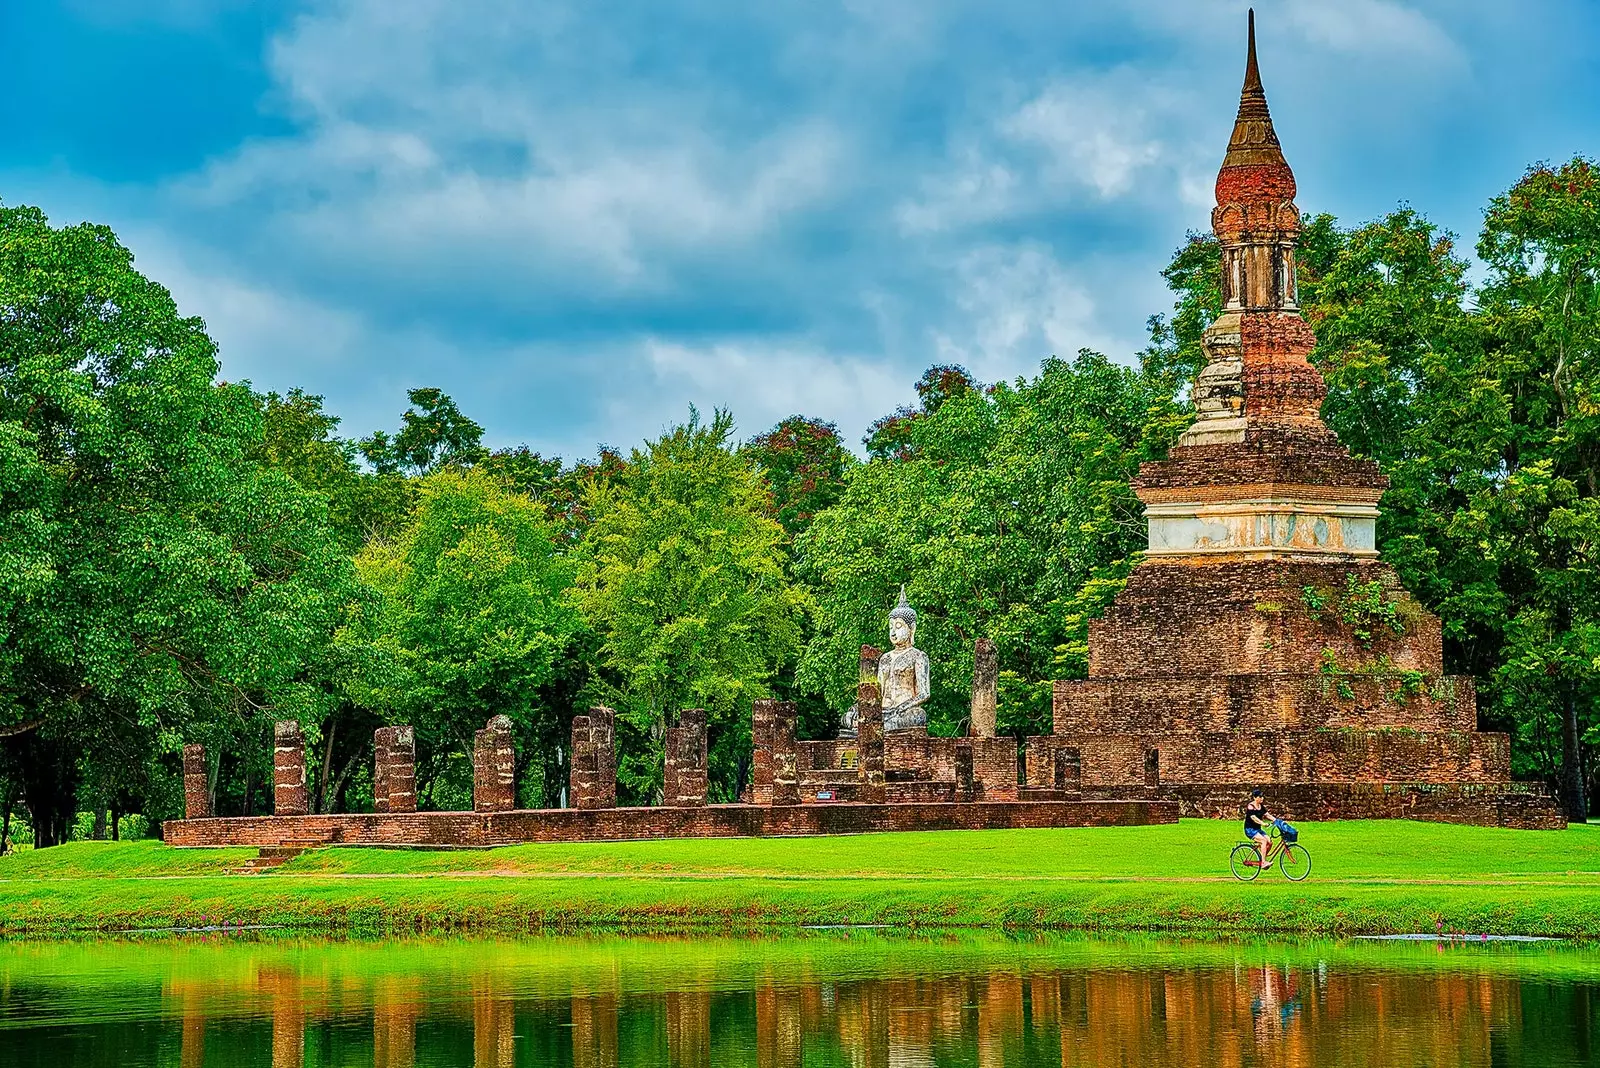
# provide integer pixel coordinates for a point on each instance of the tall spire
(1254, 142)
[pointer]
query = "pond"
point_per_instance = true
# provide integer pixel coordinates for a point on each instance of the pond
(854, 998)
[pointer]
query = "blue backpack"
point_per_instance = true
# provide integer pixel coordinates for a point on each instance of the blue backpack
(1286, 829)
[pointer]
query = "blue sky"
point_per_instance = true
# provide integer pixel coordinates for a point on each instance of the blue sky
(579, 218)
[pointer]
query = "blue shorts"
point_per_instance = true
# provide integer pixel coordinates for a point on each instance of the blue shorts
(1253, 832)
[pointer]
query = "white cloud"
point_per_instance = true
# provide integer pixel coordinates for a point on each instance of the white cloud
(763, 381)
(1373, 29)
(1018, 305)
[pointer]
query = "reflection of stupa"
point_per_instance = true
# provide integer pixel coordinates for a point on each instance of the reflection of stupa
(1261, 640)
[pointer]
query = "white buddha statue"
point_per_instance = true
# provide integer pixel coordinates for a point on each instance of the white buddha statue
(902, 676)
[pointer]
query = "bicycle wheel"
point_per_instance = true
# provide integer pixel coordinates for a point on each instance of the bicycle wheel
(1295, 862)
(1244, 862)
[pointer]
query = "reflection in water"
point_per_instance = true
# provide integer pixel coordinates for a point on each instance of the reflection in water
(480, 1004)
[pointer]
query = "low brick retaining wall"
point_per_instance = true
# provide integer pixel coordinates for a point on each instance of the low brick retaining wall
(1527, 806)
(479, 829)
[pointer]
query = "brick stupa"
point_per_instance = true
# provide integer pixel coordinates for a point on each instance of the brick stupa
(1252, 645)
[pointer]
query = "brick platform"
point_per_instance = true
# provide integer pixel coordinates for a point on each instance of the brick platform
(1524, 806)
(480, 829)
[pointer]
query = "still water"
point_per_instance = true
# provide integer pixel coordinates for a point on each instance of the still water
(834, 998)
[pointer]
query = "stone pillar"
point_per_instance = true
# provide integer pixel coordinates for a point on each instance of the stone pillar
(592, 778)
(289, 795)
(196, 783)
(869, 740)
(394, 769)
(684, 782)
(493, 767)
(985, 687)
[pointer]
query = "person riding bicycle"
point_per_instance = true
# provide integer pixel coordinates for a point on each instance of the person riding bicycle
(1256, 821)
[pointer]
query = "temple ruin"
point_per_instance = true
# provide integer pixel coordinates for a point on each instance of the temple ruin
(1261, 642)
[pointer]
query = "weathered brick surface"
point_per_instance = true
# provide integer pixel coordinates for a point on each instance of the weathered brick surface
(994, 768)
(592, 773)
(985, 688)
(1263, 702)
(494, 784)
(1250, 617)
(472, 829)
(762, 716)
(289, 794)
(871, 766)
(1526, 806)
(684, 783)
(196, 783)
(1256, 757)
(394, 772)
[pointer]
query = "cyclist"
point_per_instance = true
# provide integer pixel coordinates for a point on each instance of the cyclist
(1256, 821)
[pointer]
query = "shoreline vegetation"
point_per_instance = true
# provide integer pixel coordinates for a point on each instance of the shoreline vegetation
(1368, 877)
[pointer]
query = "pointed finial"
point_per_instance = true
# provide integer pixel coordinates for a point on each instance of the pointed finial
(1254, 142)
(1252, 75)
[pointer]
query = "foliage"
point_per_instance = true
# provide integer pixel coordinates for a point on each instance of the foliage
(159, 582)
(891, 436)
(682, 577)
(804, 463)
(473, 618)
(433, 434)
(1008, 516)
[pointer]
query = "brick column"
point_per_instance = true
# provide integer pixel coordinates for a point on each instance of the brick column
(684, 784)
(785, 756)
(762, 716)
(869, 739)
(493, 767)
(985, 687)
(394, 769)
(775, 764)
(382, 742)
(289, 795)
(592, 780)
(196, 783)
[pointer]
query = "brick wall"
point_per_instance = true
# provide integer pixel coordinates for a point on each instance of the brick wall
(592, 773)
(1526, 806)
(196, 783)
(394, 769)
(1278, 757)
(1262, 702)
(475, 829)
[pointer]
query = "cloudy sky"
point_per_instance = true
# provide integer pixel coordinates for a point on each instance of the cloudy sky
(579, 217)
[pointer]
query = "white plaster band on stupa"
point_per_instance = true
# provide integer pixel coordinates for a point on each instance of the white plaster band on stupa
(1262, 526)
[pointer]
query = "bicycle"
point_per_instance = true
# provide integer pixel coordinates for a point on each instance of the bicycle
(1293, 859)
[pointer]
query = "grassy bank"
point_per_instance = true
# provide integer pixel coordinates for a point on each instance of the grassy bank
(1376, 877)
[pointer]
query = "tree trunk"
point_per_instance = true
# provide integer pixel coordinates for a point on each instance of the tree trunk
(1571, 755)
(5, 824)
(116, 821)
(99, 832)
(325, 773)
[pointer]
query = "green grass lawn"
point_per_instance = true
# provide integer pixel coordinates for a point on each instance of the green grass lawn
(1367, 877)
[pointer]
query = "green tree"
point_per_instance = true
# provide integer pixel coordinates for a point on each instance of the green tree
(682, 578)
(433, 434)
(159, 582)
(891, 437)
(804, 462)
(472, 623)
(1008, 515)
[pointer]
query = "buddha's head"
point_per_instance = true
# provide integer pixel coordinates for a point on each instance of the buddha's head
(902, 623)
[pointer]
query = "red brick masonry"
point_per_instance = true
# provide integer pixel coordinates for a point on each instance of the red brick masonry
(479, 829)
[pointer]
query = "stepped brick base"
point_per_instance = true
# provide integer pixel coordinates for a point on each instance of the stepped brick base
(1526, 806)
(480, 829)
